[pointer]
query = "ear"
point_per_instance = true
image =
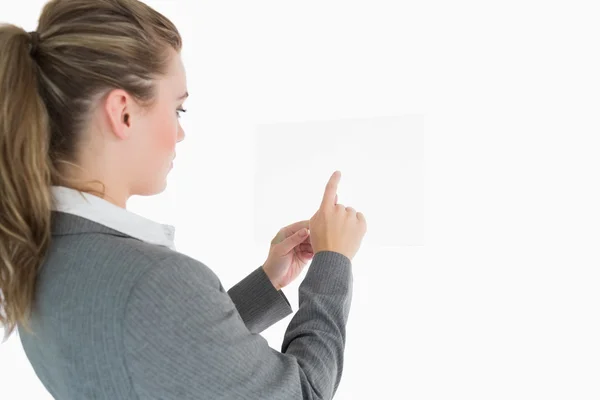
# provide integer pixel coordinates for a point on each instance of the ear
(118, 111)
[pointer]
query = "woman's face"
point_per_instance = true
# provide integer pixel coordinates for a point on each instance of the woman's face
(157, 132)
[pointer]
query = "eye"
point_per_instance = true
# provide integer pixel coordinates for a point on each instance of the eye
(180, 110)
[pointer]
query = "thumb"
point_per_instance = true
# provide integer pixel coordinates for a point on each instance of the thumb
(288, 244)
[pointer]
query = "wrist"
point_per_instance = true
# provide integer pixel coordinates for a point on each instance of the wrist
(275, 285)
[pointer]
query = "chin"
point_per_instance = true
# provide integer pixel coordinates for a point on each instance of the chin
(156, 187)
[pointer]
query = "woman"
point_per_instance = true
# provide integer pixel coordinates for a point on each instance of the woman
(107, 308)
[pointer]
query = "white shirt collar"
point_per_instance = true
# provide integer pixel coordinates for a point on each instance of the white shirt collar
(102, 211)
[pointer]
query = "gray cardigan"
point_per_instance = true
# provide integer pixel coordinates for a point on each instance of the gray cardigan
(119, 318)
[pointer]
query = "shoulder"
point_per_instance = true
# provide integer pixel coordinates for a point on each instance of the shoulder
(126, 262)
(167, 267)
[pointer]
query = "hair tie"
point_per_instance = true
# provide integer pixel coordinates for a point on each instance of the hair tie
(35, 39)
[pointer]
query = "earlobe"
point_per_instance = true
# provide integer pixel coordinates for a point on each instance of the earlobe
(125, 123)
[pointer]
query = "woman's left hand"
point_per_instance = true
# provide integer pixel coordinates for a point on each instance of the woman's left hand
(289, 253)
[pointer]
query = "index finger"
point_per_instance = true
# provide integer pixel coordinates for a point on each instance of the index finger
(331, 190)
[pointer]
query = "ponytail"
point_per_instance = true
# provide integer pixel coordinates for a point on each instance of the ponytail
(25, 178)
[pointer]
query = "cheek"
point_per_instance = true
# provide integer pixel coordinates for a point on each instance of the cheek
(167, 136)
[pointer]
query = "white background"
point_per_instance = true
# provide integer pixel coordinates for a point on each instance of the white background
(500, 296)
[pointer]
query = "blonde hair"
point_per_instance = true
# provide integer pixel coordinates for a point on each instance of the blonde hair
(86, 49)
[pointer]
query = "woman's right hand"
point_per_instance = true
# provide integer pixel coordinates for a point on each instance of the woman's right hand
(335, 227)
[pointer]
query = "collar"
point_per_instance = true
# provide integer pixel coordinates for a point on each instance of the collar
(105, 213)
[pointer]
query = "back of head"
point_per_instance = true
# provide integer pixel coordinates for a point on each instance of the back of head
(85, 49)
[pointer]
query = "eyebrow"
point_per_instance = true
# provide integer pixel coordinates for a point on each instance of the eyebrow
(184, 96)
